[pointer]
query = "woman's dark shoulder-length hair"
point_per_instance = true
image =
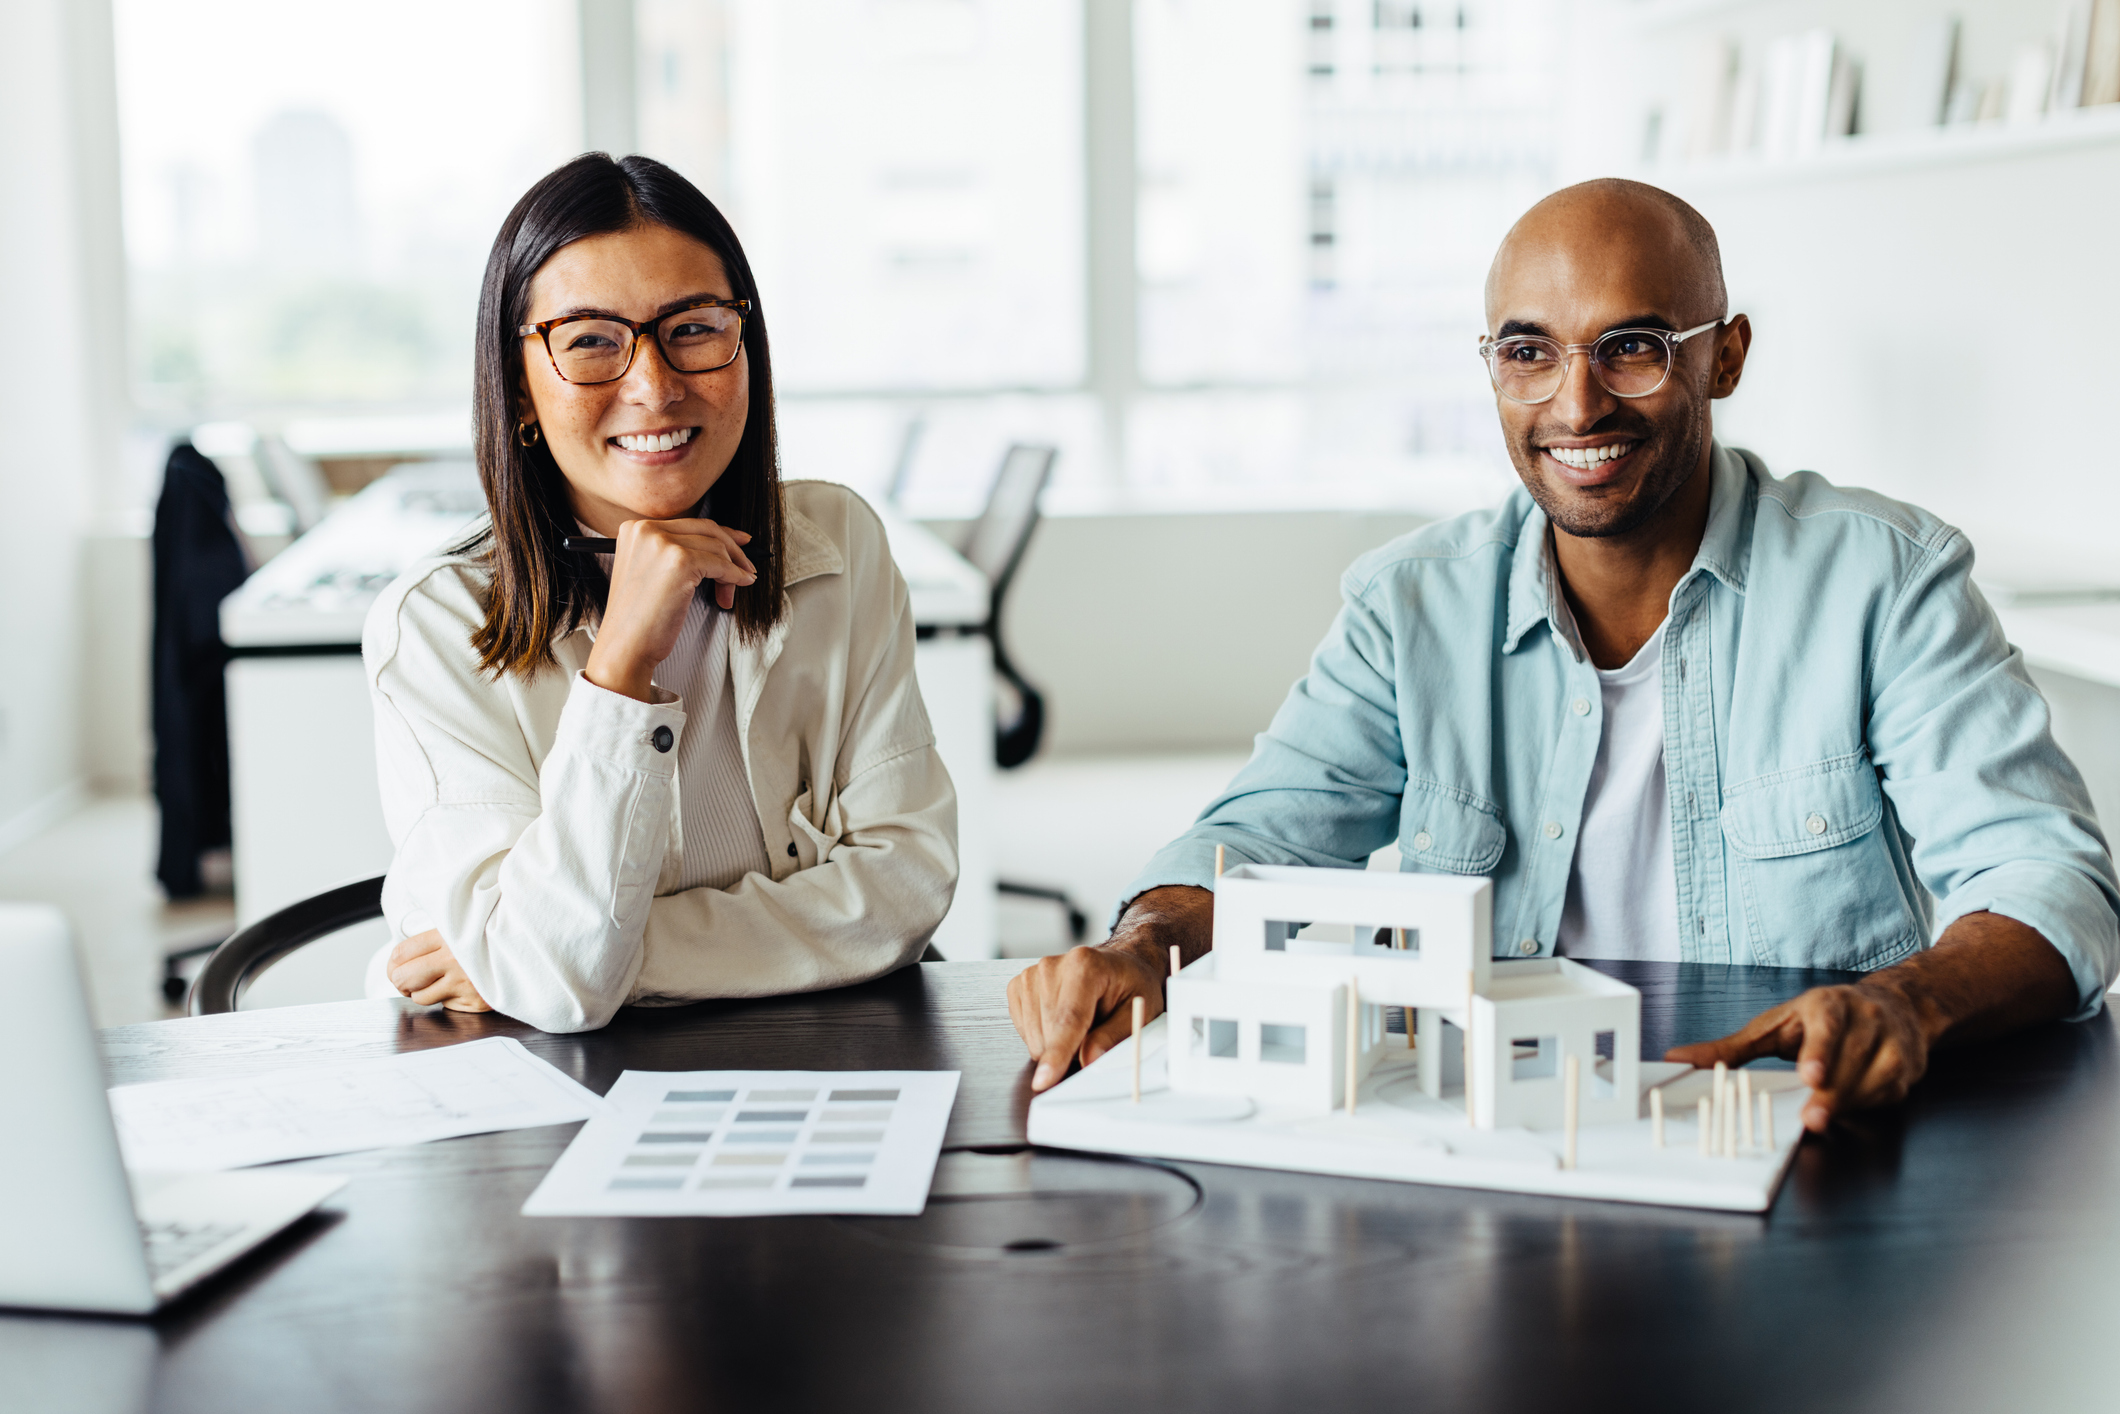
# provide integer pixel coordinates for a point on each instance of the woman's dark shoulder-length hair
(538, 591)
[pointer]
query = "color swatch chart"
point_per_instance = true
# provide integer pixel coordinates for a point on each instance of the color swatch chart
(745, 1143)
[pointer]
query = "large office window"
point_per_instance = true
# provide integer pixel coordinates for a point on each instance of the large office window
(908, 174)
(1316, 188)
(1322, 184)
(310, 191)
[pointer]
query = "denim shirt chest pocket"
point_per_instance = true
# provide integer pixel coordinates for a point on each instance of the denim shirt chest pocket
(1812, 870)
(1444, 830)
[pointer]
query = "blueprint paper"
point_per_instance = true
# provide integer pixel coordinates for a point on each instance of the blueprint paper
(743, 1143)
(475, 1087)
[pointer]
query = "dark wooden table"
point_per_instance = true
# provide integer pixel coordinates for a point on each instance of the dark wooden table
(1959, 1252)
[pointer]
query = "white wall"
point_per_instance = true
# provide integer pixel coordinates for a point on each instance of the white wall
(117, 613)
(2087, 726)
(1914, 301)
(1922, 330)
(1915, 293)
(1177, 632)
(61, 375)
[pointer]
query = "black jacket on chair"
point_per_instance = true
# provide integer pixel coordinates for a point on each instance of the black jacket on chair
(198, 563)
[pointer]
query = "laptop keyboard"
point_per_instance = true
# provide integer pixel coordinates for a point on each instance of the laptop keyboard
(171, 1244)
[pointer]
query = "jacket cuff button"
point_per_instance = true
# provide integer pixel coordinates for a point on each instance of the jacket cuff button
(661, 739)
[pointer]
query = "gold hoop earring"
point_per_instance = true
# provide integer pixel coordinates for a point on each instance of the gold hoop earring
(528, 433)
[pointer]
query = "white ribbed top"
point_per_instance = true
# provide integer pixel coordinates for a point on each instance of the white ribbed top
(722, 841)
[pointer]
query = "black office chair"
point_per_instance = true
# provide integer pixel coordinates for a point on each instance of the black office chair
(238, 962)
(995, 547)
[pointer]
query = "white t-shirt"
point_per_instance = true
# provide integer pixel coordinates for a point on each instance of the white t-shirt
(1623, 888)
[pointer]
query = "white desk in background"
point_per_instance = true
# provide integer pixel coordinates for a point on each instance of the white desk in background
(307, 813)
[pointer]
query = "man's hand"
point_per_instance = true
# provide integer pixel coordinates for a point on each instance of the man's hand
(1077, 1006)
(423, 968)
(1867, 1043)
(1855, 1046)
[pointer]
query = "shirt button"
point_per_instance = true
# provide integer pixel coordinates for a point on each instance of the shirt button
(1582, 706)
(1553, 829)
(791, 849)
(1423, 840)
(1816, 824)
(1527, 947)
(660, 739)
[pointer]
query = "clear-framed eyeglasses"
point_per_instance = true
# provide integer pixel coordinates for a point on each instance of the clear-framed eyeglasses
(598, 348)
(1627, 363)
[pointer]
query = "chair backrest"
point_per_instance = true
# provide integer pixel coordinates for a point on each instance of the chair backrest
(995, 547)
(998, 538)
(236, 963)
(902, 468)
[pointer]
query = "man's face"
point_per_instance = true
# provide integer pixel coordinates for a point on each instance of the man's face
(1599, 464)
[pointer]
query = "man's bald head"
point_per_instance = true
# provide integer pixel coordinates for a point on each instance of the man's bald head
(1613, 217)
(1596, 261)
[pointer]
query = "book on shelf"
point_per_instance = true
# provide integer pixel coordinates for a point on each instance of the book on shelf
(1932, 68)
(1710, 75)
(2101, 54)
(2072, 34)
(1808, 94)
(1842, 93)
(2031, 74)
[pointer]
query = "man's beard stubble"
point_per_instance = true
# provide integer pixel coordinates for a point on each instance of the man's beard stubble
(1670, 463)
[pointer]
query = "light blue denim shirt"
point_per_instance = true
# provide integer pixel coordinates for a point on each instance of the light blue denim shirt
(1855, 755)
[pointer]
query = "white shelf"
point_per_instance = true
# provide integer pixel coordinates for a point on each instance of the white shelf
(1659, 14)
(1864, 156)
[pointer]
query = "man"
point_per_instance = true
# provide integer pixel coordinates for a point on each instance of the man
(1673, 706)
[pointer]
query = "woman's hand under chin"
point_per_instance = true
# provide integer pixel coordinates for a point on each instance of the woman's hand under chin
(423, 968)
(660, 565)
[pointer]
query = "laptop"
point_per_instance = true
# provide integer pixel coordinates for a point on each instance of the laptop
(77, 1231)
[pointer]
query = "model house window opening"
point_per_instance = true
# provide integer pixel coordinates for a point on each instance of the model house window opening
(1534, 1057)
(1604, 1071)
(1281, 1044)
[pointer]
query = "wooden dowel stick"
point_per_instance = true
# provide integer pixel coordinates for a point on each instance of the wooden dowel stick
(1354, 1019)
(1471, 988)
(1399, 936)
(1656, 1117)
(1571, 1108)
(1707, 1127)
(1766, 1121)
(1218, 861)
(1744, 1102)
(1722, 1106)
(1140, 1011)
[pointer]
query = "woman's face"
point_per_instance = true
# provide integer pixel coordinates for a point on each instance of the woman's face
(635, 274)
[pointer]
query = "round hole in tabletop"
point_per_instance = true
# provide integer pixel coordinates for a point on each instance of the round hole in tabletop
(1024, 1204)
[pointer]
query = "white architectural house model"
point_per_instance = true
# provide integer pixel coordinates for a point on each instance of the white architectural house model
(1273, 1051)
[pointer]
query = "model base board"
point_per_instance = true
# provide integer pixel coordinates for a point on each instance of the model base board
(1398, 1133)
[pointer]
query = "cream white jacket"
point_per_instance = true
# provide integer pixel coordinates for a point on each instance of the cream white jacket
(536, 822)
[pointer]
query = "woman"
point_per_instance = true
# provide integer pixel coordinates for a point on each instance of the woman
(699, 767)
